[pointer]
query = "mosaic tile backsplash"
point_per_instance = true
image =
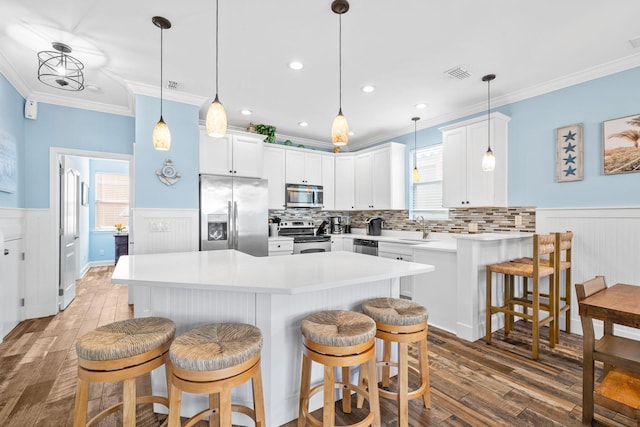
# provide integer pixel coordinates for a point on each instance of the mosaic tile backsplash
(491, 219)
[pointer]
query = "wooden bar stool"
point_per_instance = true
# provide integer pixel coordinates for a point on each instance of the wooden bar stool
(213, 359)
(562, 299)
(121, 351)
(403, 322)
(542, 245)
(338, 339)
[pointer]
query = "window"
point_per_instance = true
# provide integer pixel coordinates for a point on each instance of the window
(112, 200)
(426, 195)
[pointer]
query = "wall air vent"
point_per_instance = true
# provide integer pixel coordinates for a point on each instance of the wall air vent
(635, 42)
(458, 72)
(172, 85)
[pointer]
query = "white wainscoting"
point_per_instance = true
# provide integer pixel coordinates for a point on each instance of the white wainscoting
(164, 230)
(606, 242)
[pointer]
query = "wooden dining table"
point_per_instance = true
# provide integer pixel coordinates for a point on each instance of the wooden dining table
(616, 305)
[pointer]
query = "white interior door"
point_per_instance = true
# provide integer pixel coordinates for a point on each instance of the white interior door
(69, 233)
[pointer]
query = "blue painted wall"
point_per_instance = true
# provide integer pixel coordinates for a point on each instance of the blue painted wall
(12, 123)
(182, 120)
(532, 144)
(67, 127)
(101, 242)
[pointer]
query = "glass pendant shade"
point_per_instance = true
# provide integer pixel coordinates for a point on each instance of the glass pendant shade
(415, 177)
(488, 161)
(340, 130)
(216, 119)
(161, 136)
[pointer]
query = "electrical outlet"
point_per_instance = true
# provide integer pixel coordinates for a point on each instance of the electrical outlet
(518, 219)
(101, 252)
(473, 227)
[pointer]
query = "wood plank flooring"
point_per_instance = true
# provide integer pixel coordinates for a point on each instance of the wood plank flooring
(472, 384)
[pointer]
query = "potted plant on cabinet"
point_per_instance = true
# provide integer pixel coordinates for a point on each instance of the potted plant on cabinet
(269, 131)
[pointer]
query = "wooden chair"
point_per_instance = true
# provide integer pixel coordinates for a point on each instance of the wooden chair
(521, 305)
(563, 299)
(619, 389)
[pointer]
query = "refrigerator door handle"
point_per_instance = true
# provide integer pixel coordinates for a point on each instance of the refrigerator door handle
(230, 226)
(235, 225)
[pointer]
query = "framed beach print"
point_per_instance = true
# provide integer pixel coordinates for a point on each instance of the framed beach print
(620, 142)
(8, 163)
(569, 153)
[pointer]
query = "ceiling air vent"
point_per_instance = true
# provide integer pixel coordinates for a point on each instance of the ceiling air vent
(635, 42)
(172, 85)
(458, 72)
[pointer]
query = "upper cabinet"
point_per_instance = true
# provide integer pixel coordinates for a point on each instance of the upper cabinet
(328, 181)
(379, 178)
(303, 167)
(274, 172)
(345, 182)
(465, 184)
(236, 154)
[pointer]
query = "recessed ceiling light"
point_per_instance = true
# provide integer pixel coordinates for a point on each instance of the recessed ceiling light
(92, 88)
(368, 88)
(246, 112)
(303, 124)
(351, 133)
(421, 106)
(296, 65)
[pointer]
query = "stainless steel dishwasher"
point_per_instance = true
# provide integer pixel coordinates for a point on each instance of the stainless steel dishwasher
(365, 246)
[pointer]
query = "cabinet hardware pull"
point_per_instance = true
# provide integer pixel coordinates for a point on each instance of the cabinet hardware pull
(6, 251)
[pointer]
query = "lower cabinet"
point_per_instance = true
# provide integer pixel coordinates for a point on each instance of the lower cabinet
(401, 252)
(337, 243)
(279, 247)
(122, 245)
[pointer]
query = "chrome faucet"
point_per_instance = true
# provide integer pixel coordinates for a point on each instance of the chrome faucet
(425, 232)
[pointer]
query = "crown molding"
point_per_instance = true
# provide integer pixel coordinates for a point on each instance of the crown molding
(80, 103)
(136, 88)
(602, 70)
(12, 75)
(294, 139)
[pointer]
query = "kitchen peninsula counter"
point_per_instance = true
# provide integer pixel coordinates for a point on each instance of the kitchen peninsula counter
(273, 293)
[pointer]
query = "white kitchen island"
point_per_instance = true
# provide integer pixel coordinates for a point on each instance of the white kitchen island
(273, 293)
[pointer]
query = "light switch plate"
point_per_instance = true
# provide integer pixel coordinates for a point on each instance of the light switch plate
(518, 219)
(473, 227)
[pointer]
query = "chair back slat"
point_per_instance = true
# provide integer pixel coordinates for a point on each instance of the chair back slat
(590, 287)
(565, 240)
(544, 243)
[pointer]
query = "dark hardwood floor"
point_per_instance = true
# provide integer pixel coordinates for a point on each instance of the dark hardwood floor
(472, 384)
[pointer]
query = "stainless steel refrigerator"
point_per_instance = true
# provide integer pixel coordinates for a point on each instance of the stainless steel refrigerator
(234, 214)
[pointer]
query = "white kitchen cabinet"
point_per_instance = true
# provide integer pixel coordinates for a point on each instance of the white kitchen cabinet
(345, 182)
(274, 172)
(337, 243)
(303, 167)
(11, 263)
(465, 184)
(328, 181)
(280, 246)
(380, 178)
(401, 252)
(236, 154)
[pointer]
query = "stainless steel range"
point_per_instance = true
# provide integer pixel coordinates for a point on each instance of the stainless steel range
(304, 239)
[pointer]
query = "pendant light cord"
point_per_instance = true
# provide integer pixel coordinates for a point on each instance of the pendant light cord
(489, 115)
(340, 64)
(216, 49)
(415, 138)
(161, 61)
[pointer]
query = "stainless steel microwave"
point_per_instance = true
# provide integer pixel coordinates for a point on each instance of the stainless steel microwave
(304, 196)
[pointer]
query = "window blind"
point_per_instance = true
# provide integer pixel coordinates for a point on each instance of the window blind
(112, 200)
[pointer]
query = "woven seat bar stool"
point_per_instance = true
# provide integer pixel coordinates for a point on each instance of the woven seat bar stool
(403, 322)
(542, 244)
(338, 339)
(563, 293)
(213, 359)
(122, 351)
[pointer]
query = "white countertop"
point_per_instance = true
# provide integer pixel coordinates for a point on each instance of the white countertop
(236, 271)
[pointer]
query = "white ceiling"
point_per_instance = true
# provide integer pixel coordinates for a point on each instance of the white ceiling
(401, 47)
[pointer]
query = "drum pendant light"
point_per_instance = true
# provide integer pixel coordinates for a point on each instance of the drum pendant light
(415, 177)
(161, 133)
(340, 128)
(488, 160)
(216, 122)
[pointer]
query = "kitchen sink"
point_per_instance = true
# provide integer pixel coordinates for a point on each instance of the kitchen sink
(418, 241)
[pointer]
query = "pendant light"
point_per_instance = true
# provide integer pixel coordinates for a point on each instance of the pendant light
(340, 128)
(216, 122)
(161, 133)
(488, 160)
(415, 177)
